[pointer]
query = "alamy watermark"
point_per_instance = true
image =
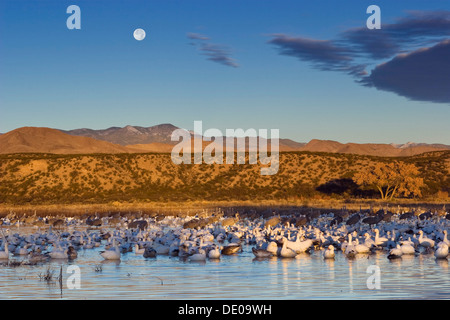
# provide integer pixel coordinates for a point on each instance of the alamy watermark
(374, 21)
(374, 280)
(235, 142)
(74, 280)
(74, 20)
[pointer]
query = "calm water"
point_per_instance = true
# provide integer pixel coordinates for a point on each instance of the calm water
(233, 277)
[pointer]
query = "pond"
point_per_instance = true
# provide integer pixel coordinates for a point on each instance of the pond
(240, 276)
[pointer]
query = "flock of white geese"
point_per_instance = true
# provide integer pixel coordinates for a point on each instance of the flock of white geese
(274, 236)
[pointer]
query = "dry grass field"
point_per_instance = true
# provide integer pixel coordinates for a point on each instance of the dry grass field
(152, 181)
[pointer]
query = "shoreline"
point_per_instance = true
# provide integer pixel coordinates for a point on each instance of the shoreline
(228, 207)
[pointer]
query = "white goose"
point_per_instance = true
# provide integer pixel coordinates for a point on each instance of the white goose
(407, 247)
(380, 241)
(350, 250)
(59, 254)
(5, 254)
(445, 240)
(329, 253)
(199, 256)
(361, 248)
(137, 250)
(395, 253)
(286, 252)
(368, 242)
(441, 251)
(112, 254)
(298, 245)
(272, 248)
(214, 253)
(424, 241)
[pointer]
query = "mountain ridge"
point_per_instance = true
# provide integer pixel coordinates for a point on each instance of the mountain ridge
(137, 139)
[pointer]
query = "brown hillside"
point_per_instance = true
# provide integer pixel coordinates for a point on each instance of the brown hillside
(102, 178)
(151, 147)
(46, 140)
(316, 145)
(167, 148)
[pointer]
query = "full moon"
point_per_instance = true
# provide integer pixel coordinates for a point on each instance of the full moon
(139, 34)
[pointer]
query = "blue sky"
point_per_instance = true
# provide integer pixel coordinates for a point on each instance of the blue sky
(232, 64)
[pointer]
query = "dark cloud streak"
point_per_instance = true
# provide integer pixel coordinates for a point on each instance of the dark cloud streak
(415, 30)
(321, 54)
(214, 52)
(196, 36)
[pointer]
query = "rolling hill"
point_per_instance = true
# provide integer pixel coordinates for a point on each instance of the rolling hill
(131, 177)
(46, 140)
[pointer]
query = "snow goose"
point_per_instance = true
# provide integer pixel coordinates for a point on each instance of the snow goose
(445, 238)
(407, 247)
(299, 246)
(350, 250)
(345, 243)
(138, 250)
(368, 242)
(113, 253)
(395, 253)
(380, 241)
(424, 241)
(329, 253)
(59, 253)
(199, 256)
(361, 248)
(214, 253)
(441, 251)
(272, 247)
(286, 252)
(5, 254)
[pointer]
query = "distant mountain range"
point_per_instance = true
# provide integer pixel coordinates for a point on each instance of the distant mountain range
(135, 139)
(129, 135)
(372, 149)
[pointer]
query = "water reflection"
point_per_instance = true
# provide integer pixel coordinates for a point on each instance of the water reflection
(408, 260)
(443, 263)
(111, 262)
(350, 274)
(330, 265)
(396, 262)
